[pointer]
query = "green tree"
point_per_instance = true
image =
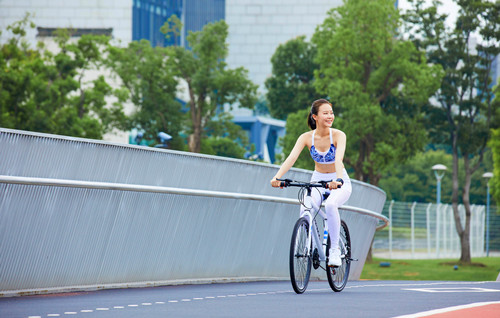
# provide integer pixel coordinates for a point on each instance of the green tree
(210, 83)
(51, 92)
(376, 81)
(224, 138)
(465, 97)
(290, 87)
(414, 179)
(148, 77)
(495, 181)
(296, 124)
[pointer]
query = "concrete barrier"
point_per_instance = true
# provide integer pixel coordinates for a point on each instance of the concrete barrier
(80, 214)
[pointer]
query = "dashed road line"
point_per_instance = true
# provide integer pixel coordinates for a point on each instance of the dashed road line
(424, 287)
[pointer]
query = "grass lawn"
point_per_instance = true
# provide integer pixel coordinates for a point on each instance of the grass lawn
(482, 269)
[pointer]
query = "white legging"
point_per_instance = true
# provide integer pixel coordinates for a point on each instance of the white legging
(337, 198)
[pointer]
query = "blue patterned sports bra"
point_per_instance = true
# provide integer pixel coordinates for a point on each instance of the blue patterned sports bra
(323, 157)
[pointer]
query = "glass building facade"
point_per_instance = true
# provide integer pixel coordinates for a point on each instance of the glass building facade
(148, 16)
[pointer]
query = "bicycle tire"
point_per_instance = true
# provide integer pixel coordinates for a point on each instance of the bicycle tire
(300, 262)
(338, 276)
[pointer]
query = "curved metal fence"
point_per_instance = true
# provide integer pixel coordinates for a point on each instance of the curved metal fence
(427, 230)
(79, 214)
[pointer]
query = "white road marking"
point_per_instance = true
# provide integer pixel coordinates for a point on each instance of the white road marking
(448, 309)
(453, 290)
(425, 288)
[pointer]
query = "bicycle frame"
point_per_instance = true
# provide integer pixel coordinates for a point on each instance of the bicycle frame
(313, 236)
(313, 228)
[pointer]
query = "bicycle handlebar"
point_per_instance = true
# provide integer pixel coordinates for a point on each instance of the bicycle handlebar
(291, 183)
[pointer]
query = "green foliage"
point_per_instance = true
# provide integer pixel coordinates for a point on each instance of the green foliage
(225, 147)
(290, 88)
(52, 92)
(296, 124)
(224, 137)
(495, 181)
(465, 97)
(172, 27)
(414, 180)
(210, 83)
(149, 82)
(377, 83)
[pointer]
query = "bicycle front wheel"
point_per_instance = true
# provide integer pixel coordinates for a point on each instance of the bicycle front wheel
(300, 261)
(337, 276)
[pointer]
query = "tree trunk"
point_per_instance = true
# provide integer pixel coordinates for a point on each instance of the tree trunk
(194, 141)
(465, 256)
(463, 233)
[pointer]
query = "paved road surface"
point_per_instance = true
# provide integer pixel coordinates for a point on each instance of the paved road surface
(259, 299)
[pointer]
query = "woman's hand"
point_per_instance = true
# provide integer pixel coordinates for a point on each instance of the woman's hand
(334, 185)
(275, 183)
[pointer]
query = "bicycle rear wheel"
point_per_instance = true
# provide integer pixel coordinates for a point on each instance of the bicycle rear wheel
(300, 261)
(337, 276)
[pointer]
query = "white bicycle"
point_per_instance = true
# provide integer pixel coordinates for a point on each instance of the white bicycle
(307, 249)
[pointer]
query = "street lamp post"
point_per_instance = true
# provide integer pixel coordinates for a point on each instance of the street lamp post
(439, 170)
(487, 176)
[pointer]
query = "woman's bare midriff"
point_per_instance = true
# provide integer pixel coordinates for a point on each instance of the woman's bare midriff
(324, 168)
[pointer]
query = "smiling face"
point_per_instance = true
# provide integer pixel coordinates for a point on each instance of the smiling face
(325, 116)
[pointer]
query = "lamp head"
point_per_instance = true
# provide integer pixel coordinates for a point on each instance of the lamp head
(488, 175)
(439, 167)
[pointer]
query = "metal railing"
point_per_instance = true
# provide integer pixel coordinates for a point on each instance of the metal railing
(383, 221)
(427, 230)
(82, 214)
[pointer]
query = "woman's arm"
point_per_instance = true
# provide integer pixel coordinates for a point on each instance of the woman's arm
(290, 160)
(339, 154)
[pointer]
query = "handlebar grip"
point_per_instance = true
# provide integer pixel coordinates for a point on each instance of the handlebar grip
(325, 183)
(284, 183)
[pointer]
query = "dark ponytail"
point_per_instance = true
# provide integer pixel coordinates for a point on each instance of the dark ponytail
(314, 111)
(310, 120)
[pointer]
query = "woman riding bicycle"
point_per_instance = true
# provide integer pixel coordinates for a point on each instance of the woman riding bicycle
(328, 166)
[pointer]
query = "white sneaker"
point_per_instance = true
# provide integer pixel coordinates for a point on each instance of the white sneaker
(334, 257)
